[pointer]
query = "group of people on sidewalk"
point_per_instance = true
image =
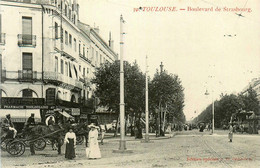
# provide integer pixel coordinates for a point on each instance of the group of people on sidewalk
(92, 149)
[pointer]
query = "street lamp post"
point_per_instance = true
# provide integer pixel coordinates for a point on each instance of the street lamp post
(213, 107)
(122, 145)
(146, 105)
(122, 142)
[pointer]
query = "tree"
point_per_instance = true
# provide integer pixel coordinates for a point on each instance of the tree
(166, 95)
(107, 81)
(250, 100)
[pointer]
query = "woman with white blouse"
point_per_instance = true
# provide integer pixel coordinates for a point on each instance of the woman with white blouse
(70, 141)
(94, 151)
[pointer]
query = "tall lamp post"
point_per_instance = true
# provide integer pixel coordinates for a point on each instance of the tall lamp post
(146, 104)
(122, 142)
(213, 124)
(122, 145)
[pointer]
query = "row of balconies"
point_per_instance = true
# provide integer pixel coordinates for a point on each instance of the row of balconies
(85, 58)
(21, 75)
(34, 76)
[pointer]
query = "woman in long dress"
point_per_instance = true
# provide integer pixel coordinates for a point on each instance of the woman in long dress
(70, 141)
(94, 151)
(230, 134)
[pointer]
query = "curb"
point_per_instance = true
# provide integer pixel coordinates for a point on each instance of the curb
(154, 138)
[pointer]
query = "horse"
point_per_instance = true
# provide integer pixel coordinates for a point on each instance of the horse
(54, 134)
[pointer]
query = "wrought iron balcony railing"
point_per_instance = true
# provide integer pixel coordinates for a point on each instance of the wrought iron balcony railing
(26, 40)
(21, 75)
(61, 79)
(85, 58)
(2, 38)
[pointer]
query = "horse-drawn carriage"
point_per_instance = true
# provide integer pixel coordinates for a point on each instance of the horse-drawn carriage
(38, 137)
(35, 138)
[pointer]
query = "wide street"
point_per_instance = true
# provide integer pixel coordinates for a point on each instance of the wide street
(186, 149)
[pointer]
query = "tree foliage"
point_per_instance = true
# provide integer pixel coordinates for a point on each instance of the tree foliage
(166, 94)
(228, 105)
(107, 81)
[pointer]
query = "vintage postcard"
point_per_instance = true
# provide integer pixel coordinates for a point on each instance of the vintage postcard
(129, 83)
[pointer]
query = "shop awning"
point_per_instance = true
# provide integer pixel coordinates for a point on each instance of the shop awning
(72, 71)
(20, 115)
(65, 114)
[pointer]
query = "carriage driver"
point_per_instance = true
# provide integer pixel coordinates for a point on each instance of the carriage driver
(30, 122)
(8, 125)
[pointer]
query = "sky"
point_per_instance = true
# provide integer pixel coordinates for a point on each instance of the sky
(217, 51)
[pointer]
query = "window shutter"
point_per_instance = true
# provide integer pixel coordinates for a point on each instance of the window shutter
(27, 61)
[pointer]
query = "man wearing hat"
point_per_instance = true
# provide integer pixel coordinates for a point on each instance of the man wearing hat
(30, 122)
(8, 125)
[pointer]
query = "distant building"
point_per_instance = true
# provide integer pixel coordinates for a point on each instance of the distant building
(255, 84)
(48, 57)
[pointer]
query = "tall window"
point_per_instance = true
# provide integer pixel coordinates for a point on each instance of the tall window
(27, 30)
(56, 64)
(79, 48)
(84, 72)
(96, 58)
(70, 39)
(66, 37)
(61, 67)
(27, 93)
(27, 65)
(92, 52)
(66, 68)
(69, 14)
(75, 44)
(61, 5)
(66, 8)
(83, 50)
(56, 31)
(61, 34)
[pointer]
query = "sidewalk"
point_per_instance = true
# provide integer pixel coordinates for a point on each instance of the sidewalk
(110, 137)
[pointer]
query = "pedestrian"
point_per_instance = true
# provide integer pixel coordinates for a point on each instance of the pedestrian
(70, 141)
(102, 131)
(230, 134)
(8, 126)
(93, 151)
(29, 124)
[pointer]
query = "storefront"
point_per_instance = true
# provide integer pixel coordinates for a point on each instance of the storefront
(20, 109)
(20, 116)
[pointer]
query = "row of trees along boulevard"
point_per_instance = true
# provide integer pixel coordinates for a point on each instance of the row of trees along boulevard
(228, 105)
(166, 97)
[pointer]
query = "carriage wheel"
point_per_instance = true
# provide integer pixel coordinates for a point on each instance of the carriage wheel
(80, 140)
(4, 144)
(40, 144)
(16, 148)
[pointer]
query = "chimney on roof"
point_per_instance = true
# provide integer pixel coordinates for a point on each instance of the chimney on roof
(111, 42)
(96, 29)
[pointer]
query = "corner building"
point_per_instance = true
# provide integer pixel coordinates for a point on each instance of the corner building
(48, 57)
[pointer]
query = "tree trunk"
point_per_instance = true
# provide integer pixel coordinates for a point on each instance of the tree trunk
(117, 123)
(131, 127)
(164, 118)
